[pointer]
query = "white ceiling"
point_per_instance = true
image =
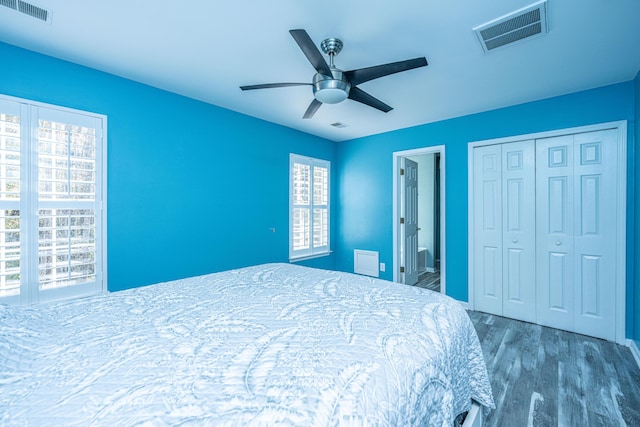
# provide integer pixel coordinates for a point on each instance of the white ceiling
(207, 49)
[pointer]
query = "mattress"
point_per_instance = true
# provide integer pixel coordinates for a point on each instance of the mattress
(275, 344)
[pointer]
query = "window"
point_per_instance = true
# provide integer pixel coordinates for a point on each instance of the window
(308, 207)
(51, 198)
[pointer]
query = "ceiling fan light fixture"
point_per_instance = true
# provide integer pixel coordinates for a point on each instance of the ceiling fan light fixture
(329, 93)
(331, 90)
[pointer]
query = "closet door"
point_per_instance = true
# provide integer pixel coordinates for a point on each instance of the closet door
(554, 243)
(595, 184)
(518, 230)
(504, 224)
(487, 225)
(576, 238)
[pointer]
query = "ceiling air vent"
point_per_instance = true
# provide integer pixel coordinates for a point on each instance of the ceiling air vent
(28, 9)
(525, 23)
(339, 125)
(13, 4)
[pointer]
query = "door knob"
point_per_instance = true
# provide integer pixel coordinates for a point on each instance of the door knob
(515, 240)
(558, 243)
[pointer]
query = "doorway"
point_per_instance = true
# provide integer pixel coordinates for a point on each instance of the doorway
(431, 219)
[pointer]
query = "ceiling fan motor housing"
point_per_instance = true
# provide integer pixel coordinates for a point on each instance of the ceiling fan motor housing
(331, 90)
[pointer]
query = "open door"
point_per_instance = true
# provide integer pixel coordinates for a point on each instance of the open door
(402, 236)
(409, 220)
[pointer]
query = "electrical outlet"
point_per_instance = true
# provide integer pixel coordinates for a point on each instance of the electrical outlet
(382, 267)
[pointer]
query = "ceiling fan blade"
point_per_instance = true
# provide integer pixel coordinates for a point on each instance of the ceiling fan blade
(365, 74)
(311, 51)
(311, 110)
(272, 85)
(359, 95)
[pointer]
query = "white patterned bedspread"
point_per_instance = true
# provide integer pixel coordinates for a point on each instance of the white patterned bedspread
(268, 345)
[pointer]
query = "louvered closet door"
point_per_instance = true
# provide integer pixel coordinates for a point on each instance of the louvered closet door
(576, 239)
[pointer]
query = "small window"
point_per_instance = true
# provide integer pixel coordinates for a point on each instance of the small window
(308, 207)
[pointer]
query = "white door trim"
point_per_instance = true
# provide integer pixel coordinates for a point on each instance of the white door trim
(437, 149)
(621, 283)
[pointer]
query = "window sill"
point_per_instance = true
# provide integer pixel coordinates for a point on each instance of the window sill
(306, 257)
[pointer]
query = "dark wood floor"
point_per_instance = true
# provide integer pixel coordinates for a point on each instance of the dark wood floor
(547, 377)
(429, 281)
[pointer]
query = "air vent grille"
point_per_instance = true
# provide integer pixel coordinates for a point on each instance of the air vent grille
(27, 9)
(31, 10)
(339, 125)
(522, 24)
(13, 4)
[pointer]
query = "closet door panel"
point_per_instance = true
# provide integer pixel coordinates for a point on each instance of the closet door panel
(559, 268)
(487, 224)
(518, 236)
(595, 216)
(554, 232)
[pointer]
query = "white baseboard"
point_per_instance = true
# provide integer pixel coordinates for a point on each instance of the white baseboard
(634, 350)
(464, 304)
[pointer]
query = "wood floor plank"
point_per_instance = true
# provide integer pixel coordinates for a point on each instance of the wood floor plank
(627, 386)
(429, 281)
(546, 377)
(520, 384)
(546, 384)
(572, 409)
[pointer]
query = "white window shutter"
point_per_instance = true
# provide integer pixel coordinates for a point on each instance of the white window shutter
(51, 169)
(309, 198)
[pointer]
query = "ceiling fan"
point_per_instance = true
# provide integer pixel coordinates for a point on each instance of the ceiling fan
(332, 85)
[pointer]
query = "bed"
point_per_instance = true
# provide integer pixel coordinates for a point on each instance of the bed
(275, 344)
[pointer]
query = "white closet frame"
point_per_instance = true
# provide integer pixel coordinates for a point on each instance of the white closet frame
(621, 228)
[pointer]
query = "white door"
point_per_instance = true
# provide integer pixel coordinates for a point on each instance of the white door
(595, 156)
(576, 209)
(504, 223)
(487, 225)
(518, 231)
(554, 223)
(409, 221)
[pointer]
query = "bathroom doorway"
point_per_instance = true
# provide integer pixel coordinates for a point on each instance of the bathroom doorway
(431, 239)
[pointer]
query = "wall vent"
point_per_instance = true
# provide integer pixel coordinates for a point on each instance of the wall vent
(366, 262)
(27, 9)
(523, 24)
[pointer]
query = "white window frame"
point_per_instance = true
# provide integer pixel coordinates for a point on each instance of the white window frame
(311, 252)
(30, 292)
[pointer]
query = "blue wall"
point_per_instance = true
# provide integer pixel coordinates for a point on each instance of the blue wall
(365, 173)
(201, 196)
(192, 188)
(636, 312)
